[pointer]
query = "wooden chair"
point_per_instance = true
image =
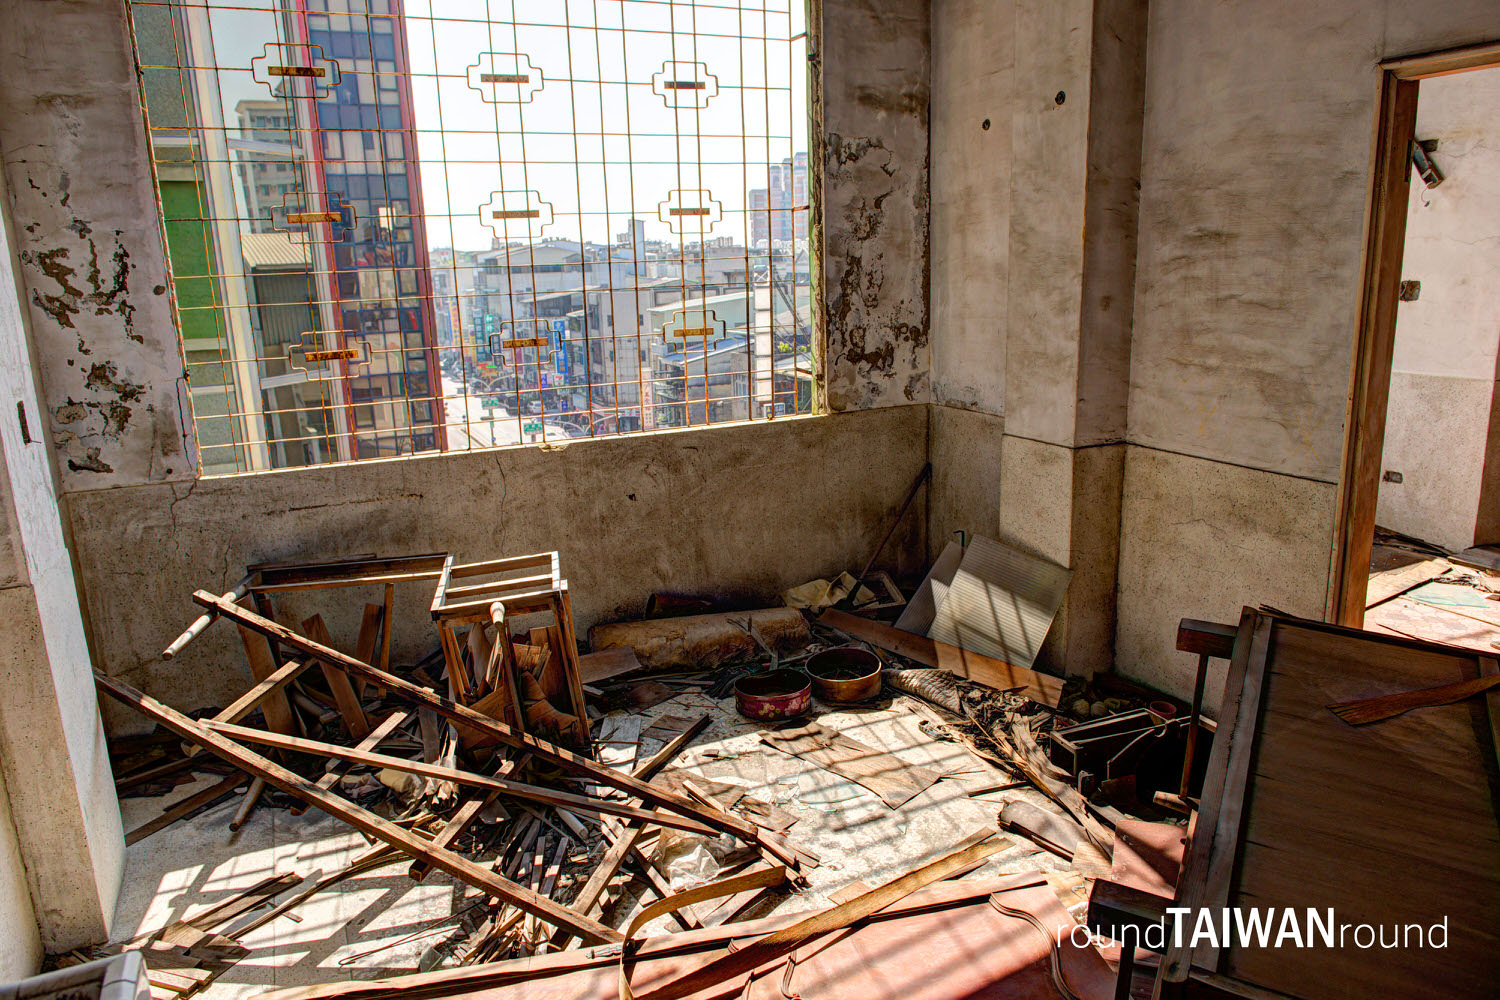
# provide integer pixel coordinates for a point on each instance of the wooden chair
(516, 683)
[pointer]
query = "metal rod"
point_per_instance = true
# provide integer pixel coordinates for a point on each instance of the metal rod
(192, 631)
(922, 477)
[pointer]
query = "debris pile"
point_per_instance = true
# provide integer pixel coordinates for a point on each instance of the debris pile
(523, 768)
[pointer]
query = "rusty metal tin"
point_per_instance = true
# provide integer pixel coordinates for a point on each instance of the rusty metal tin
(773, 696)
(845, 674)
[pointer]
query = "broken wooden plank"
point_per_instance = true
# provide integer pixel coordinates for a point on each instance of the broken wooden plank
(885, 774)
(187, 805)
(1366, 710)
(977, 846)
(1390, 583)
(773, 845)
(516, 789)
(651, 871)
(735, 906)
(150, 774)
(458, 713)
(981, 669)
(361, 819)
(454, 828)
(273, 682)
(666, 727)
(589, 898)
(192, 931)
(370, 628)
(466, 815)
(337, 768)
(376, 857)
(350, 710)
(603, 664)
(274, 706)
(471, 980)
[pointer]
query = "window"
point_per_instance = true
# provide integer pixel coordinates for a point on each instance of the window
(614, 193)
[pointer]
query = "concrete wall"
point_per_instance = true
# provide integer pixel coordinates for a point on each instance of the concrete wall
(973, 89)
(873, 120)
(58, 816)
(88, 235)
(21, 945)
(1443, 373)
(1255, 170)
(743, 511)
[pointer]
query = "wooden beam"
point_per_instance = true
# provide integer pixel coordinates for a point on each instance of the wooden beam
(274, 706)
(149, 774)
(975, 847)
(381, 829)
(376, 736)
(981, 669)
(452, 711)
(274, 681)
(460, 820)
(1206, 638)
(367, 636)
(1424, 67)
(472, 979)
(515, 789)
(376, 857)
(387, 624)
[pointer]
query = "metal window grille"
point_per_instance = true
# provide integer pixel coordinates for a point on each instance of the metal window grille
(400, 226)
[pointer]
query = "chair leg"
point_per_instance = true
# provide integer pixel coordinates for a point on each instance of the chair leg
(1127, 971)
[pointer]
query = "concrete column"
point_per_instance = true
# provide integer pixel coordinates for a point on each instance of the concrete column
(1036, 138)
(58, 791)
(1075, 170)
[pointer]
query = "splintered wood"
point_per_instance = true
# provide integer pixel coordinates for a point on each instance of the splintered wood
(511, 729)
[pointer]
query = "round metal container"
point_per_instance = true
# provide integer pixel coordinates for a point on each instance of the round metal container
(773, 696)
(845, 674)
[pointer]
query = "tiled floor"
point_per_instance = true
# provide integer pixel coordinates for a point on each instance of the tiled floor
(1455, 609)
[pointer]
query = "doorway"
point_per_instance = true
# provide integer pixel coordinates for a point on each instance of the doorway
(1421, 462)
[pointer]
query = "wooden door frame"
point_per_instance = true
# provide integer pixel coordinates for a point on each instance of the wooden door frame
(1375, 332)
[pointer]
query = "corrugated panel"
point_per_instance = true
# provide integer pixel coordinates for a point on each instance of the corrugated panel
(285, 310)
(922, 608)
(1001, 602)
(272, 250)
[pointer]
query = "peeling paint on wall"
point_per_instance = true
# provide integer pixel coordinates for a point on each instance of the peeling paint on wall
(877, 341)
(875, 203)
(67, 282)
(92, 261)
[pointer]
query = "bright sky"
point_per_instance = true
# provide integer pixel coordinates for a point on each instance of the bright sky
(598, 143)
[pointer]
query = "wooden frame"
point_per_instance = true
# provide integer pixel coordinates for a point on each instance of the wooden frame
(510, 588)
(448, 709)
(1375, 331)
(1392, 821)
(263, 579)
